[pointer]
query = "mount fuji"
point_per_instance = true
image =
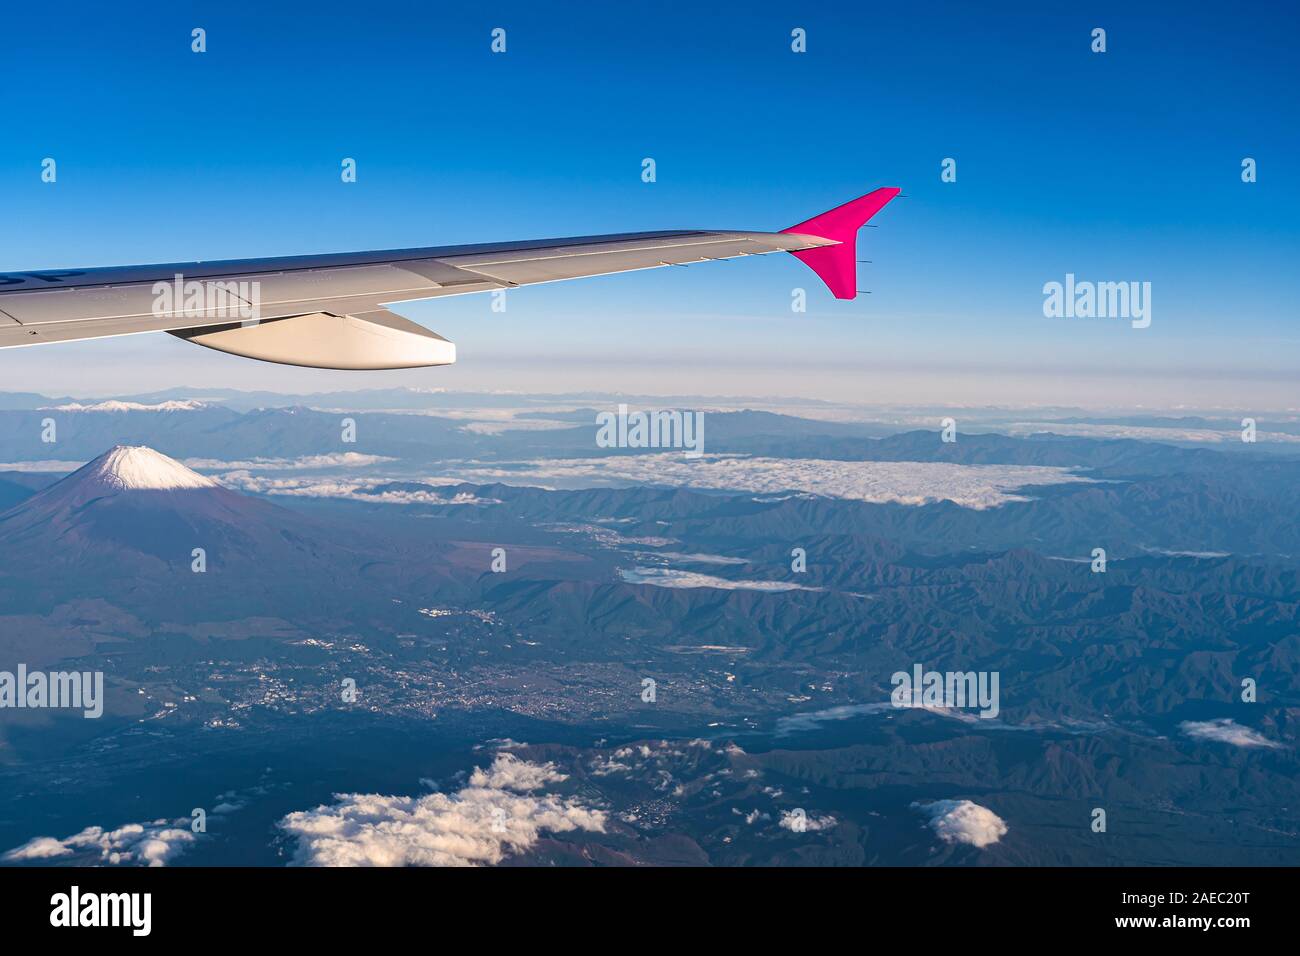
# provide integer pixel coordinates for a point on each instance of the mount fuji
(127, 527)
(135, 499)
(140, 468)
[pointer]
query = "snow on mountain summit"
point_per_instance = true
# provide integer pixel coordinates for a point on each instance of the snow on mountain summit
(188, 405)
(131, 495)
(139, 467)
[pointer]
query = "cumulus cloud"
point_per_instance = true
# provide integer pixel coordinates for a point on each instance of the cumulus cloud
(425, 498)
(604, 766)
(136, 844)
(1226, 731)
(798, 821)
(497, 813)
(961, 821)
(673, 578)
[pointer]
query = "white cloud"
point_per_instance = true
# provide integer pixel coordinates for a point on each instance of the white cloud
(801, 822)
(355, 489)
(494, 815)
(903, 482)
(519, 425)
(813, 720)
(961, 821)
(139, 844)
(672, 578)
(696, 558)
(39, 466)
(426, 498)
(1226, 731)
(603, 767)
(810, 721)
(346, 459)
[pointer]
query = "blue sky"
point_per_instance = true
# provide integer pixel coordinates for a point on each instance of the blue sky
(1116, 166)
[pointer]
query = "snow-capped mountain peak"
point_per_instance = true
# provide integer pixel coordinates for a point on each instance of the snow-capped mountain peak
(135, 504)
(139, 467)
(188, 405)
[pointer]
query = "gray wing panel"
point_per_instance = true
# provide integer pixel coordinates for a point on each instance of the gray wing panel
(67, 305)
(578, 261)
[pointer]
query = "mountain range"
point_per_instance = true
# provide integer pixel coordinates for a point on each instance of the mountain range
(1123, 684)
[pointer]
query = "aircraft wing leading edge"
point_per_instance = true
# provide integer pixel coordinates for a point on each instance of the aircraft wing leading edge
(331, 311)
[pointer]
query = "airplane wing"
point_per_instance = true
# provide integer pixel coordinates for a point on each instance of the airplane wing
(331, 311)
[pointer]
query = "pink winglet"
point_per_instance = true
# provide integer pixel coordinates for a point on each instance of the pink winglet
(838, 265)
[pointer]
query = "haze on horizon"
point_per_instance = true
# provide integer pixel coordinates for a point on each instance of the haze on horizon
(134, 365)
